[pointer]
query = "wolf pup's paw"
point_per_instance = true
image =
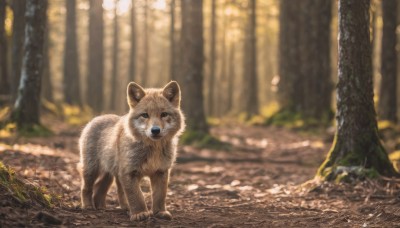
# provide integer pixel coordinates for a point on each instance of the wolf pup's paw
(163, 215)
(141, 216)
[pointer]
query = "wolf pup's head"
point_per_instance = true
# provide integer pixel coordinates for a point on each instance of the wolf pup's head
(155, 113)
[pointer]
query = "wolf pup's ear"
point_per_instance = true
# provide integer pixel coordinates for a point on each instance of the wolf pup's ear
(135, 93)
(173, 93)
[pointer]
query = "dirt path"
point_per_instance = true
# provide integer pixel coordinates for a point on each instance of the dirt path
(250, 186)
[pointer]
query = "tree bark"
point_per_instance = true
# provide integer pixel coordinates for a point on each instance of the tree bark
(47, 87)
(250, 89)
(146, 47)
(288, 55)
(221, 96)
(231, 77)
(115, 53)
(213, 58)
(315, 59)
(18, 37)
(388, 90)
(96, 56)
(132, 63)
(26, 109)
(357, 142)
(72, 95)
(4, 84)
(191, 77)
(173, 53)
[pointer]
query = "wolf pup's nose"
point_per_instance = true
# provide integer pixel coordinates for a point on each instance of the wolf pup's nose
(155, 130)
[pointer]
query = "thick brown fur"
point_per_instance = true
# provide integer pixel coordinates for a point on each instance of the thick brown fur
(125, 147)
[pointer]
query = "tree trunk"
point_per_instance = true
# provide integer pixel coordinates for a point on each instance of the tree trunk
(173, 54)
(304, 89)
(4, 85)
(18, 37)
(221, 96)
(250, 91)
(47, 88)
(96, 60)
(145, 69)
(357, 143)
(132, 61)
(26, 109)
(315, 59)
(191, 77)
(388, 90)
(288, 55)
(231, 77)
(71, 78)
(115, 52)
(213, 59)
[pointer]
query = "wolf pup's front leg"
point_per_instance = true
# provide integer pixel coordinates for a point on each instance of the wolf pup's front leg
(159, 185)
(137, 205)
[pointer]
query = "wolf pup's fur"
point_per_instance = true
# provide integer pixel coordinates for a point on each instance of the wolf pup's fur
(140, 143)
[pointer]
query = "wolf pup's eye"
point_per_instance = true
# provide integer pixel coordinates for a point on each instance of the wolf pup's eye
(164, 114)
(144, 115)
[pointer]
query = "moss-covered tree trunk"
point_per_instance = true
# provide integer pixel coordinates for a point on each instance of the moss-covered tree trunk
(357, 143)
(191, 78)
(26, 109)
(388, 92)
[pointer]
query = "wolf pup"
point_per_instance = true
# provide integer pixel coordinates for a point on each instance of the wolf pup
(140, 143)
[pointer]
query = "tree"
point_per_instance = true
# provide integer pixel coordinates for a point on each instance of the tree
(146, 47)
(213, 59)
(388, 91)
(192, 65)
(304, 89)
(288, 55)
(71, 79)
(26, 108)
(132, 61)
(96, 60)
(231, 77)
(356, 142)
(315, 59)
(115, 52)
(4, 85)
(47, 87)
(18, 37)
(173, 53)
(250, 92)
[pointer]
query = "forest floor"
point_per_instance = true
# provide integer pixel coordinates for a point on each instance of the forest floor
(258, 183)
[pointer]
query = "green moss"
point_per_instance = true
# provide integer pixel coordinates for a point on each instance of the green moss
(21, 190)
(203, 140)
(341, 165)
(296, 120)
(35, 130)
